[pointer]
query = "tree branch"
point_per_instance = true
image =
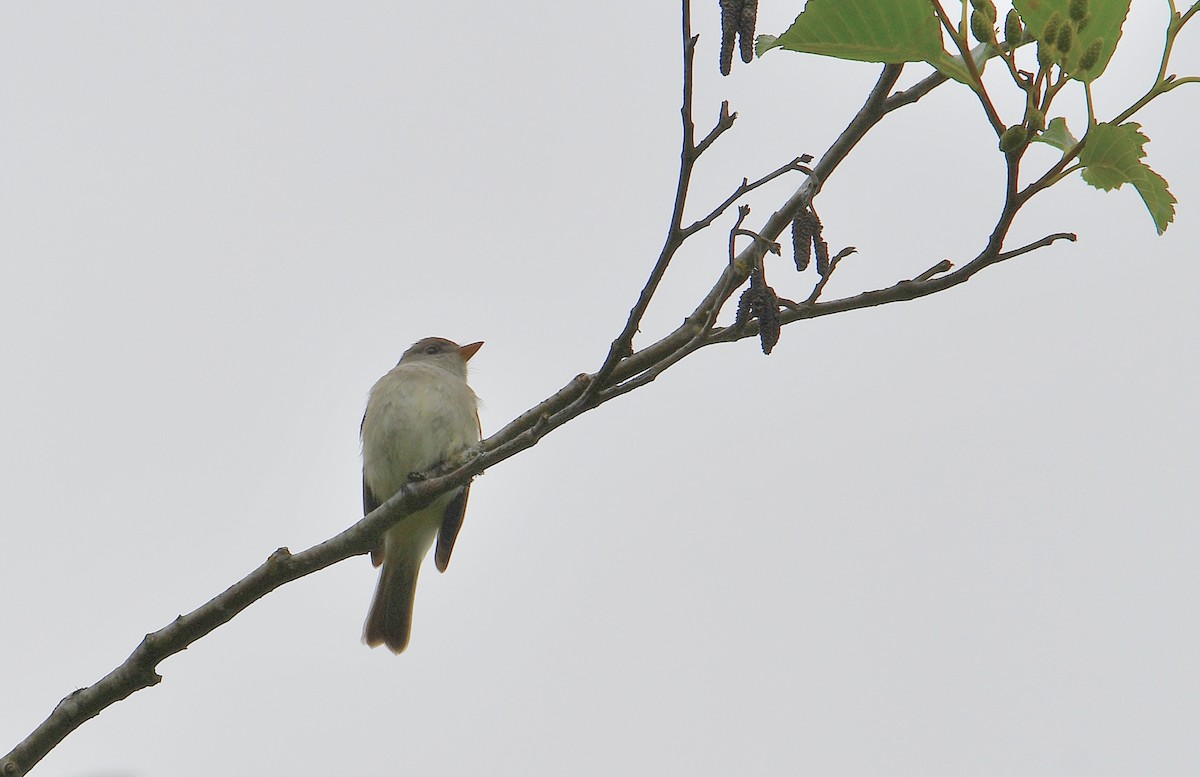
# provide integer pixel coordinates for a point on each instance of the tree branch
(928, 282)
(622, 346)
(622, 371)
(796, 165)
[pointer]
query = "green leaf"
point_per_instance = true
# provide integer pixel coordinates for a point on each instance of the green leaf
(1158, 198)
(952, 66)
(891, 31)
(1056, 134)
(1112, 157)
(864, 30)
(1103, 23)
(764, 43)
(1111, 153)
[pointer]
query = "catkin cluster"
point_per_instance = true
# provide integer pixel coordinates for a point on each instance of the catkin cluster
(737, 27)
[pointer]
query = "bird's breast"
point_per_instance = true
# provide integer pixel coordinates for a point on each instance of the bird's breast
(416, 417)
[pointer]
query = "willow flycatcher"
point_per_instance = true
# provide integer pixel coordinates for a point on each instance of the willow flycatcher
(418, 415)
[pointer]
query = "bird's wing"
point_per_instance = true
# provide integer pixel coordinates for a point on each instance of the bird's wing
(452, 521)
(369, 504)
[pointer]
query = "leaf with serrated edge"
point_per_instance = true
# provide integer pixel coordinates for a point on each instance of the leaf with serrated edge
(1112, 157)
(764, 43)
(1158, 198)
(1056, 134)
(1107, 17)
(1111, 153)
(866, 31)
(908, 32)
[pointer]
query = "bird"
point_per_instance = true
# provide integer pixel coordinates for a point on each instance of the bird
(419, 414)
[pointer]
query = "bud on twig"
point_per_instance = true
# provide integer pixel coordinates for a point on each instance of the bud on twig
(1044, 58)
(1066, 36)
(1035, 120)
(1050, 31)
(1092, 55)
(981, 28)
(1013, 138)
(1013, 33)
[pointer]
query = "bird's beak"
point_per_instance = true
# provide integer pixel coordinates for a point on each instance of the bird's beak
(467, 351)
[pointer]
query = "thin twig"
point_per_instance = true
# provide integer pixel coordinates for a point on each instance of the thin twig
(622, 346)
(902, 291)
(743, 212)
(1045, 241)
(943, 266)
(979, 55)
(138, 671)
(833, 263)
(770, 246)
(724, 121)
(797, 164)
(964, 50)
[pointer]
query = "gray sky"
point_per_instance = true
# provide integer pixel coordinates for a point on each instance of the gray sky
(954, 536)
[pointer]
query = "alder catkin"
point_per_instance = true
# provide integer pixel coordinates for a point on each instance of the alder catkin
(821, 248)
(1049, 32)
(1013, 138)
(746, 28)
(1092, 55)
(803, 228)
(761, 302)
(1044, 57)
(1066, 36)
(768, 324)
(985, 7)
(738, 18)
(981, 28)
(1013, 33)
(730, 23)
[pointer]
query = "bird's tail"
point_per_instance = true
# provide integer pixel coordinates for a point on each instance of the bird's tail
(390, 619)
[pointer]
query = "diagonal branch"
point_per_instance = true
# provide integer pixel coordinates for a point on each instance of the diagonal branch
(929, 282)
(621, 372)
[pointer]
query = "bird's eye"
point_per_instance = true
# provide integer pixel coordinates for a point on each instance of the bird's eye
(431, 349)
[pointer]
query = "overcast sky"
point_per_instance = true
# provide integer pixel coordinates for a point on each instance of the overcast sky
(956, 536)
